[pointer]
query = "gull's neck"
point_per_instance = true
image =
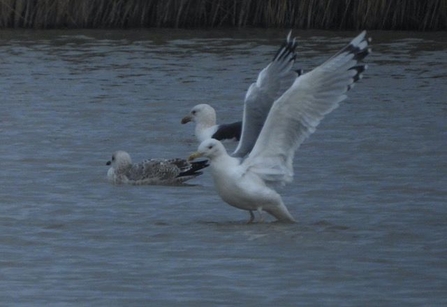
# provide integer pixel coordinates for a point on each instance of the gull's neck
(123, 167)
(204, 132)
(224, 162)
(205, 121)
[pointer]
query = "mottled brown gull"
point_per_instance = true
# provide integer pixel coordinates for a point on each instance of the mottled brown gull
(152, 171)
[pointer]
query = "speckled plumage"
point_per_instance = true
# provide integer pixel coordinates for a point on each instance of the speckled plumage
(152, 171)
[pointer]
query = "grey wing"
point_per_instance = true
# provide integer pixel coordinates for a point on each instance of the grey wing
(297, 113)
(272, 81)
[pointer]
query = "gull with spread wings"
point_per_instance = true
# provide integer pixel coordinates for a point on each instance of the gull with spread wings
(249, 184)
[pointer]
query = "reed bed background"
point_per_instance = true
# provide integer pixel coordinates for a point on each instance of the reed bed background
(420, 15)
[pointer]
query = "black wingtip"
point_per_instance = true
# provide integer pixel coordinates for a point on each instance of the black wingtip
(288, 47)
(361, 54)
(195, 168)
(358, 75)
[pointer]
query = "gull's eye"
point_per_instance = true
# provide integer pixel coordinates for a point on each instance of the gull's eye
(210, 146)
(113, 158)
(194, 112)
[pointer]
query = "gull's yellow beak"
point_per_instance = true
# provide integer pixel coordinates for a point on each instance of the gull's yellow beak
(186, 119)
(195, 156)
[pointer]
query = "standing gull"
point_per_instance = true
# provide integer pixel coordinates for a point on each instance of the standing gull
(270, 84)
(248, 184)
(153, 171)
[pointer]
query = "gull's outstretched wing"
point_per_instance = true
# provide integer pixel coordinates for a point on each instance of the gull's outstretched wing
(272, 80)
(297, 113)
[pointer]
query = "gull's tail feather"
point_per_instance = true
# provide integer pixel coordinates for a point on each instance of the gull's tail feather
(281, 213)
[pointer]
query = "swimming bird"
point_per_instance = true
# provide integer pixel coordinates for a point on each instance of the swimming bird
(153, 171)
(249, 184)
(271, 82)
(204, 116)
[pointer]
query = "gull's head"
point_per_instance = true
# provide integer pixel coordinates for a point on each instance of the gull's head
(202, 114)
(120, 159)
(210, 149)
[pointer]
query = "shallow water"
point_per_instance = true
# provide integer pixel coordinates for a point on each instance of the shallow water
(369, 191)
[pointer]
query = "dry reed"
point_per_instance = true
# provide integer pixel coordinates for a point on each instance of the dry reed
(305, 14)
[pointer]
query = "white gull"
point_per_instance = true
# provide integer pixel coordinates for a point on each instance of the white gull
(249, 184)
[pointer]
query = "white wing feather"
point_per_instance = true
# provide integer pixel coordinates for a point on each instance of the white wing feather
(261, 94)
(297, 113)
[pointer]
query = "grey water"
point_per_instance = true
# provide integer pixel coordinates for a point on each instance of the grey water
(369, 193)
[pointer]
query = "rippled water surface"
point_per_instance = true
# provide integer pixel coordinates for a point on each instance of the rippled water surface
(369, 193)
